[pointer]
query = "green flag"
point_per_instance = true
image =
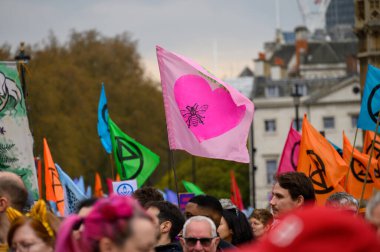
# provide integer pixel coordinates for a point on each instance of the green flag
(133, 160)
(191, 188)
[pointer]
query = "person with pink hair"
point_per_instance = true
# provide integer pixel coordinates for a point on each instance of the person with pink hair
(114, 224)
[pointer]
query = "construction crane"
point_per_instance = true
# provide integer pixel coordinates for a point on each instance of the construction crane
(314, 13)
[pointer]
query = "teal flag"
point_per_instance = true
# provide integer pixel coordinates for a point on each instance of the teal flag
(370, 107)
(191, 188)
(133, 160)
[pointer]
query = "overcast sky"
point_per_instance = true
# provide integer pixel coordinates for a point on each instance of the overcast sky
(222, 35)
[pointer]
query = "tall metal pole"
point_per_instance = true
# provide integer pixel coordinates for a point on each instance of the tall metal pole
(252, 183)
(296, 96)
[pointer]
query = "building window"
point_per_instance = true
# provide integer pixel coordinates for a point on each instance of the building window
(354, 121)
(300, 89)
(271, 91)
(271, 170)
(270, 125)
(329, 122)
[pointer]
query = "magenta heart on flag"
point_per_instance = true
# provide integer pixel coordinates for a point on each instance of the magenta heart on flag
(207, 113)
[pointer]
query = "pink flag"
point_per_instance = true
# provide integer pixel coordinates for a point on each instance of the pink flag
(204, 116)
(289, 158)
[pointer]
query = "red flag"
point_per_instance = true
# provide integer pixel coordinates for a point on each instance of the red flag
(235, 192)
(109, 185)
(54, 190)
(290, 154)
(98, 186)
(320, 162)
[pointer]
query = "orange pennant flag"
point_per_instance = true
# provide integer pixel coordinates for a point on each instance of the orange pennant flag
(368, 138)
(54, 190)
(320, 162)
(117, 177)
(98, 186)
(357, 172)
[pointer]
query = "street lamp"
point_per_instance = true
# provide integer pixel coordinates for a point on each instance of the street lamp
(296, 100)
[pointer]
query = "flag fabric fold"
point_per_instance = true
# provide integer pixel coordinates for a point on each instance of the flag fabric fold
(370, 100)
(192, 188)
(103, 116)
(357, 172)
(235, 192)
(171, 196)
(98, 186)
(369, 137)
(132, 159)
(53, 186)
(73, 195)
(290, 153)
(204, 116)
(320, 162)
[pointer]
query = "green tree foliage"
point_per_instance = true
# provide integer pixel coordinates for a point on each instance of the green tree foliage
(63, 86)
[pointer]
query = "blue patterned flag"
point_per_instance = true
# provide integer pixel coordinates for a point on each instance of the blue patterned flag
(370, 107)
(72, 193)
(80, 184)
(103, 130)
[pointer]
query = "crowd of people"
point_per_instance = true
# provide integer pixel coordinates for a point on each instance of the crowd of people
(146, 222)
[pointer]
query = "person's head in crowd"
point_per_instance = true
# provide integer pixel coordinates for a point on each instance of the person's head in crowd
(372, 213)
(318, 229)
(343, 201)
(261, 221)
(204, 205)
(33, 232)
(199, 234)
(291, 191)
(12, 194)
(170, 220)
(234, 227)
(146, 194)
(115, 223)
(85, 206)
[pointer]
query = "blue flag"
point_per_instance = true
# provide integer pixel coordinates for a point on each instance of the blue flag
(89, 192)
(54, 208)
(72, 193)
(171, 196)
(80, 184)
(370, 106)
(103, 130)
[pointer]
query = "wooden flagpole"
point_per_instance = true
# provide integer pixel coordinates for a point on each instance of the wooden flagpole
(369, 162)
(171, 164)
(112, 167)
(351, 158)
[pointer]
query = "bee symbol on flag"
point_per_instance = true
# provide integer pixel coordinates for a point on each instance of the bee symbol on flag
(193, 114)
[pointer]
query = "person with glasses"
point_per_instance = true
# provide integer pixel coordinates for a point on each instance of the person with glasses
(199, 234)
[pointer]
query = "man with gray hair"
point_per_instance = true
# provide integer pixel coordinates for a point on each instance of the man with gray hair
(199, 234)
(372, 213)
(343, 201)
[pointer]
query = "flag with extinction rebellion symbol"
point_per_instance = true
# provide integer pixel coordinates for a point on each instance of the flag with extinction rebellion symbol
(133, 160)
(320, 162)
(370, 106)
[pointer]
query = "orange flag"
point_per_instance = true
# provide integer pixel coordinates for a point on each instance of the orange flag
(357, 171)
(54, 190)
(320, 162)
(368, 138)
(98, 186)
(117, 177)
